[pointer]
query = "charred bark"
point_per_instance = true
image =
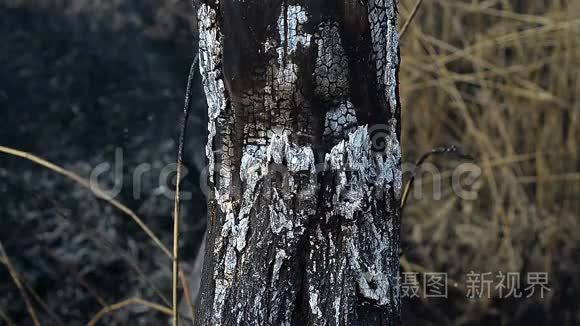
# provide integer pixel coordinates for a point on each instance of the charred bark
(304, 162)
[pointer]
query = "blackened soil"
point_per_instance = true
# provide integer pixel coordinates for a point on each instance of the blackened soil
(89, 98)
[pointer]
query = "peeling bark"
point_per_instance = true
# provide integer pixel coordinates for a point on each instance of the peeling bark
(304, 162)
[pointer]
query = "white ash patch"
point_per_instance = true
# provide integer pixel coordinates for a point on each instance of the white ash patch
(291, 36)
(219, 301)
(295, 35)
(210, 57)
(280, 218)
(255, 164)
(372, 279)
(336, 307)
(375, 286)
(251, 171)
(362, 175)
(368, 171)
(351, 156)
(242, 231)
(279, 260)
(277, 148)
(281, 91)
(313, 302)
(300, 158)
(251, 166)
(297, 158)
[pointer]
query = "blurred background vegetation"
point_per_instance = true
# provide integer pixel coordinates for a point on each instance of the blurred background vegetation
(500, 78)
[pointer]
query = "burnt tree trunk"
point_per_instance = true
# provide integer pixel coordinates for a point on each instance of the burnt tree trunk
(304, 162)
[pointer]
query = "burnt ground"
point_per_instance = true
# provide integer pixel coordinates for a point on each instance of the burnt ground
(75, 91)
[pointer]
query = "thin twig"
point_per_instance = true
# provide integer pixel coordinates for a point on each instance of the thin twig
(41, 301)
(14, 275)
(435, 151)
(6, 318)
(177, 204)
(35, 295)
(91, 187)
(186, 293)
(113, 202)
(408, 22)
(79, 279)
(125, 303)
(102, 242)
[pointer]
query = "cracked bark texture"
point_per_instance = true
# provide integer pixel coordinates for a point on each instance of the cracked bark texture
(304, 162)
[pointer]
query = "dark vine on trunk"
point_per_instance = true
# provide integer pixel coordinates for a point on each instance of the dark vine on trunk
(304, 162)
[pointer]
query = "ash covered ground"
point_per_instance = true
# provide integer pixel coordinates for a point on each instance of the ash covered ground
(91, 96)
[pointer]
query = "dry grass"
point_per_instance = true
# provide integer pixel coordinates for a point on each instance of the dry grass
(92, 188)
(4, 259)
(16, 278)
(501, 79)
